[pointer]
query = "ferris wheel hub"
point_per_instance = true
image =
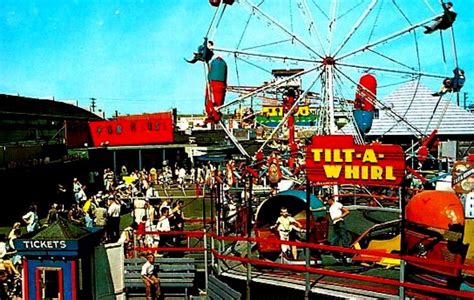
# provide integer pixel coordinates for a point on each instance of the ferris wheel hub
(329, 60)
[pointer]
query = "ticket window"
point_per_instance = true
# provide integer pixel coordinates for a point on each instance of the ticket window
(49, 283)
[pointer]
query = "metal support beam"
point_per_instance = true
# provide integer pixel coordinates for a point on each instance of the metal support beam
(114, 163)
(140, 163)
(308, 234)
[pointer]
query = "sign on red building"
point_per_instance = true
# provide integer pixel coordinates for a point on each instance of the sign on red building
(336, 159)
(133, 130)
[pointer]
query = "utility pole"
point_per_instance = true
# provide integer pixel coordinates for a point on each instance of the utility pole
(93, 106)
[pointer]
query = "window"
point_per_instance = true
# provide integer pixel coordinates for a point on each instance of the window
(133, 126)
(118, 129)
(149, 125)
(109, 129)
(99, 129)
(33, 133)
(376, 114)
(157, 126)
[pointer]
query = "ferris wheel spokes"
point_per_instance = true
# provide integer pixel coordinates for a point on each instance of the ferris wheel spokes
(386, 38)
(390, 70)
(393, 60)
(255, 9)
(332, 24)
(313, 30)
(234, 140)
(269, 56)
(390, 111)
(276, 83)
(356, 26)
(266, 44)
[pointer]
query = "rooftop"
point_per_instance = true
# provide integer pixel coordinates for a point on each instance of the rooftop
(416, 106)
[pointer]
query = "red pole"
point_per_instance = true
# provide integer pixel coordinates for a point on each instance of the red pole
(287, 104)
(290, 100)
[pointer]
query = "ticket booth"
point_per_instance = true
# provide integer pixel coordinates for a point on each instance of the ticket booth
(58, 262)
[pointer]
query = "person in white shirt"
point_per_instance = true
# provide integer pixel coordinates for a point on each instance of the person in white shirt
(338, 212)
(163, 225)
(181, 177)
(285, 224)
(150, 277)
(81, 196)
(31, 219)
(151, 194)
(139, 208)
(3, 246)
(126, 238)
(76, 187)
(113, 220)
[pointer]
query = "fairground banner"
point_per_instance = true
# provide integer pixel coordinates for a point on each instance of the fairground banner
(336, 159)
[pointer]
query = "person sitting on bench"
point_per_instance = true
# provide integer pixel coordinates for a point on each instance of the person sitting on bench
(150, 277)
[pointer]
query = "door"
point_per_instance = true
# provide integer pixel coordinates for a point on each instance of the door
(49, 283)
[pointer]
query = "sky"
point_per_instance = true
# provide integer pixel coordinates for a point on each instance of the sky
(129, 55)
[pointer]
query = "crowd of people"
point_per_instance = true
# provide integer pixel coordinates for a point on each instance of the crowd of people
(107, 196)
(101, 204)
(143, 192)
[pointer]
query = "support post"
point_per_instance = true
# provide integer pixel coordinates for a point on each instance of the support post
(135, 244)
(213, 261)
(140, 164)
(221, 222)
(401, 193)
(204, 225)
(114, 163)
(206, 271)
(308, 234)
(248, 197)
(218, 208)
(331, 127)
(214, 197)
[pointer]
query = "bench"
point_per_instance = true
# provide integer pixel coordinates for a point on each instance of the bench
(219, 290)
(176, 276)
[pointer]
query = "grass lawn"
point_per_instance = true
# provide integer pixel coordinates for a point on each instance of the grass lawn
(192, 209)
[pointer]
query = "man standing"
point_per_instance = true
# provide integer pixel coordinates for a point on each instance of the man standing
(52, 214)
(338, 212)
(163, 225)
(31, 219)
(150, 277)
(113, 219)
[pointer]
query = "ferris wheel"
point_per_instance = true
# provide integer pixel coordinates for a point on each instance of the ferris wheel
(333, 59)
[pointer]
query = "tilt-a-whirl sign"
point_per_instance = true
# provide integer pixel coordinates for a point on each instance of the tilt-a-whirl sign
(336, 159)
